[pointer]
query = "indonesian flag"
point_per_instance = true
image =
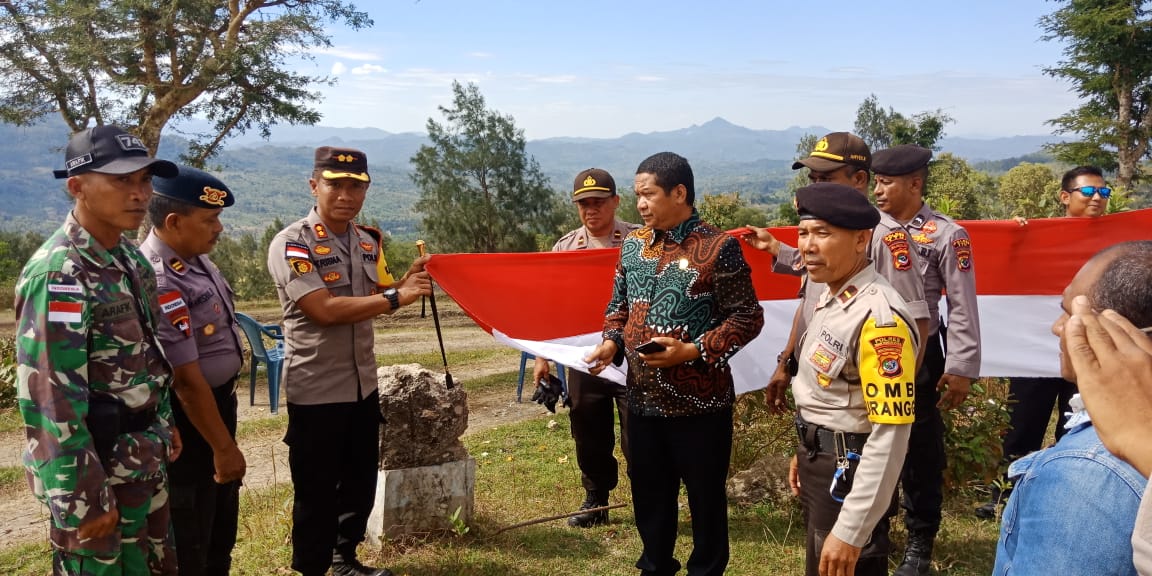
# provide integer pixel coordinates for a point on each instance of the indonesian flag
(552, 303)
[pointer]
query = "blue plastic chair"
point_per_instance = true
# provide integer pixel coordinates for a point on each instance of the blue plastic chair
(272, 357)
(524, 358)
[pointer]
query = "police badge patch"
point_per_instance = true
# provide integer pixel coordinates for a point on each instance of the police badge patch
(963, 248)
(897, 243)
(888, 349)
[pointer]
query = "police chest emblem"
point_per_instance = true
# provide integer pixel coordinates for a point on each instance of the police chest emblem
(822, 358)
(897, 243)
(888, 350)
(332, 276)
(929, 226)
(322, 250)
(209, 329)
(921, 238)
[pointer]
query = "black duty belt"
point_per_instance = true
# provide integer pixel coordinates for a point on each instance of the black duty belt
(138, 421)
(817, 438)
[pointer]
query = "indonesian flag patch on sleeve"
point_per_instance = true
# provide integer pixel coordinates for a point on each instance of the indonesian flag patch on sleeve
(295, 250)
(66, 312)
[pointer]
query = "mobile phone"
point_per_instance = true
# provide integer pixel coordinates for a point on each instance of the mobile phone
(651, 347)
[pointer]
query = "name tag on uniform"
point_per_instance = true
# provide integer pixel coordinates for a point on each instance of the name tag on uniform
(118, 309)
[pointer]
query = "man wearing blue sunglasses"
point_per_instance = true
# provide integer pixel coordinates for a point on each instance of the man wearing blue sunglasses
(1084, 194)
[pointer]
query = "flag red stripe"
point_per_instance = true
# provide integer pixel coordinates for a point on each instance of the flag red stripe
(541, 296)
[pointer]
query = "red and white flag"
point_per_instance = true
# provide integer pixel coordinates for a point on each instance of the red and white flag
(552, 303)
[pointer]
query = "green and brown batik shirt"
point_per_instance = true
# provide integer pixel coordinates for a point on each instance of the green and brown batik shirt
(693, 284)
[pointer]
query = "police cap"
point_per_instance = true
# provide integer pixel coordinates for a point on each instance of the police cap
(195, 187)
(109, 150)
(836, 204)
(900, 160)
(593, 183)
(837, 150)
(333, 163)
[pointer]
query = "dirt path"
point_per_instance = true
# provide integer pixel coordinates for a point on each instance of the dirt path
(23, 519)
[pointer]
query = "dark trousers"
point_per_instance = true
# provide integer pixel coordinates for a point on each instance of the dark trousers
(594, 401)
(1031, 403)
(666, 451)
(333, 451)
(821, 512)
(923, 475)
(204, 513)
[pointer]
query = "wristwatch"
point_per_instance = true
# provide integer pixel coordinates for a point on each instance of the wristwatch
(789, 363)
(393, 298)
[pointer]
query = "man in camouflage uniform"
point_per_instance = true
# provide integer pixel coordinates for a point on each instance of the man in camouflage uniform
(93, 383)
(594, 398)
(199, 334)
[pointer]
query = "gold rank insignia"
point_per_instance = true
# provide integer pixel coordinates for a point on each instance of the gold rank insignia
(366, 246)
(322, 250)
(321, 231)
(345, 158)
(209, 330)
(332, 276)
(616, 235)
(213, 196)
(847, 294)
(580, 241)
(176, 265)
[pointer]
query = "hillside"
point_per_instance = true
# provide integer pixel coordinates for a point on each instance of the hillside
(270, 177)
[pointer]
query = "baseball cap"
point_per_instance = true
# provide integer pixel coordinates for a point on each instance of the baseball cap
(333, 163)
(593, 183)
(109, 150)
(837, 150)
(195, 187)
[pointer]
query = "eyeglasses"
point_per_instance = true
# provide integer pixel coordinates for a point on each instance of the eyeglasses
(1089, 191)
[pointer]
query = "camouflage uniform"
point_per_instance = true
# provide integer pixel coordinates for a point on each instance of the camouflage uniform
(86, 331)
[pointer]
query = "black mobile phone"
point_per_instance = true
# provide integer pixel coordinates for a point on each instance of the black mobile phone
(651, 347)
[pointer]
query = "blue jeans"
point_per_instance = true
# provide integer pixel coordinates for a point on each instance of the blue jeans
(1073, 507)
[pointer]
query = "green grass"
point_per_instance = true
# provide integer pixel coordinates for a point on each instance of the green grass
(10, 420)
(11, 478)
(432, 360)
(256, 427)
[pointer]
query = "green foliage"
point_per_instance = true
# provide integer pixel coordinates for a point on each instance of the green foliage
(7, 373)
(479, 190)
(142, 63)
(244, 263)
(1108, 61)
(973, 440)
(758, 432)
(882, 128)
(1029, 191)
(728, 211)
(955, 189)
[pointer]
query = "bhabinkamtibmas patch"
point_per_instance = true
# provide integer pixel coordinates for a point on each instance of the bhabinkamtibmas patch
(888, 372)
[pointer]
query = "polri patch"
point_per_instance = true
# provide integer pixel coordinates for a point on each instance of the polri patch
(963, 248)
(300, 266)
(897, 242)
(888, 350)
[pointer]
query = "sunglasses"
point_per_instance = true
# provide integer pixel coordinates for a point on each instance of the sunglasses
(1089, 191)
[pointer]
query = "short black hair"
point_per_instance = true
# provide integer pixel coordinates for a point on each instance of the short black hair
(670, 170)
(1077, 172)
(159, 207)
(1125, 285)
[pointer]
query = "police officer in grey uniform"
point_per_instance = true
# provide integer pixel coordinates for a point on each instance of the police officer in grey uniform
(842, 158)
(945, 251)
(854, 387)
(332, 282)
(594, 193)
(199, 335)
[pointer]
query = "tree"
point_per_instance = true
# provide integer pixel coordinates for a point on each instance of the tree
(882, 128)
(143, 63)
(1028, 190)
(729, 211)
(1108, 61)
(955, 188)
(479, 190)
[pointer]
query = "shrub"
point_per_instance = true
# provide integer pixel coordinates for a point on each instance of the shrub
(7, 372)
(973, 440)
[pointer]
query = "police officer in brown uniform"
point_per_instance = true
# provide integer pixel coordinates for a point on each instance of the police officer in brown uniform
(594, 192)
(843, 158)
(854, 388)
(945, 251)
(198, 332)
(332, 282)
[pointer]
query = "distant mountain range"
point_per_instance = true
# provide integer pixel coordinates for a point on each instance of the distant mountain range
(269, 176)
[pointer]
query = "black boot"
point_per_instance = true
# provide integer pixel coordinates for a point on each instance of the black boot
(918, 554)
(353, 567)
(593, 499)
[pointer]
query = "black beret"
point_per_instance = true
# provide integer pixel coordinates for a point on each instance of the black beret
(333, 163)
(196, 187)
(900, 160)
(838, 205)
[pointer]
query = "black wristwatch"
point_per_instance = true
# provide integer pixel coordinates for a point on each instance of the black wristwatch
(789, 363)
(393, 298)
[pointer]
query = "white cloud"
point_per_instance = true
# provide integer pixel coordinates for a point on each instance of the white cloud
(481, 55)
(555, 79)
(366, 69)
(339, 68)
(347, 54)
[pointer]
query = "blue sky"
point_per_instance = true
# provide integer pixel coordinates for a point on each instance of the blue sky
(603, 69)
